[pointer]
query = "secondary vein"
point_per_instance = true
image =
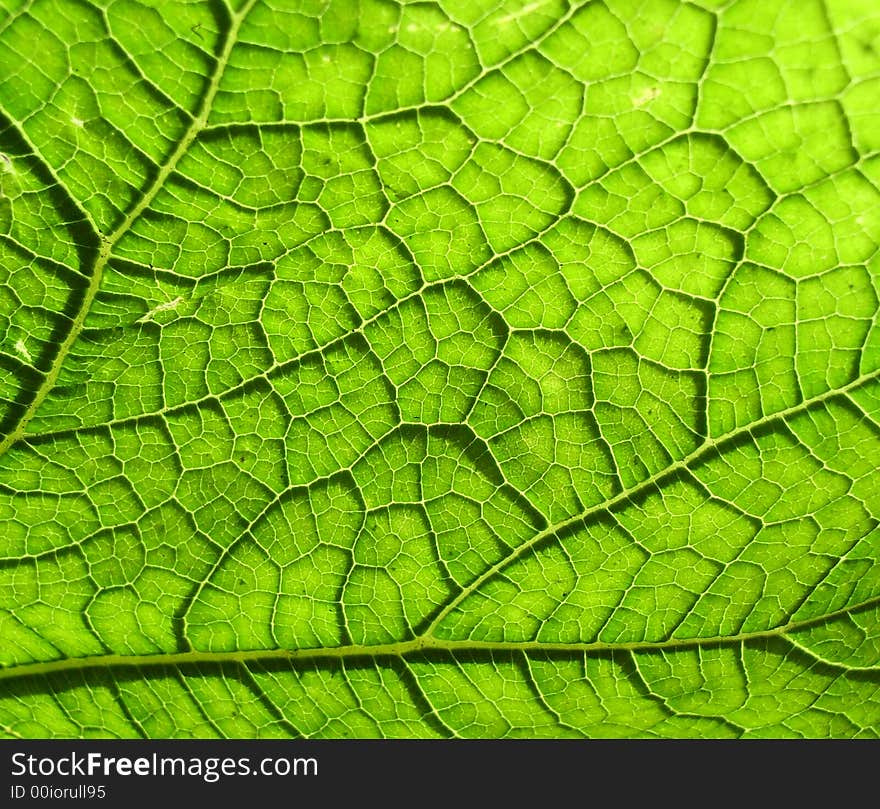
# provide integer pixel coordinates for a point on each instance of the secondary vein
(109, 242)
(700, 453)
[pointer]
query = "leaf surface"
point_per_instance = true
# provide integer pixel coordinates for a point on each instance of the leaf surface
(491, 368)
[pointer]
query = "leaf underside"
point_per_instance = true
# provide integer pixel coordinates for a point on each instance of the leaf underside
(460, 368)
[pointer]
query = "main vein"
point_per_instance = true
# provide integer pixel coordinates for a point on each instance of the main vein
(414, 646)
(109, 242)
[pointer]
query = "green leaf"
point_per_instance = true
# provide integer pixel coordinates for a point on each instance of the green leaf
(493, 368)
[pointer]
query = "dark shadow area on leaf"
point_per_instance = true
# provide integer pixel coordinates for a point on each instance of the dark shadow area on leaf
(86, 242)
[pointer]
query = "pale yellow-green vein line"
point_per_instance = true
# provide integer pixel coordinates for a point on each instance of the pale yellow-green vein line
(406, 648)
(108, 243)
(701, 452)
